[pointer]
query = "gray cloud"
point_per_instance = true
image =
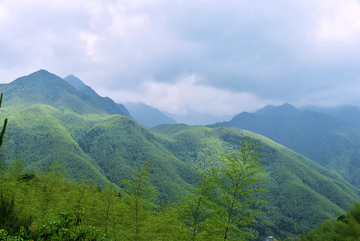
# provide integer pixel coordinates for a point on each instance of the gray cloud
(302, 52)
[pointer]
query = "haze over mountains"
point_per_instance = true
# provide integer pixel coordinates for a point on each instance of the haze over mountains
(147, 115)
(311, 175)
(332, 143)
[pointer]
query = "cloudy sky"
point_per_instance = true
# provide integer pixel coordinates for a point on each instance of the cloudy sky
(218, 57)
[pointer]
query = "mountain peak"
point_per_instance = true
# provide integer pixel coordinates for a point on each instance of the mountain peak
(282, 110)
(74, 81)
(265, 110)
(39, 78)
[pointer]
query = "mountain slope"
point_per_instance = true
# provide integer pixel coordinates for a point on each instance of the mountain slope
(41, 138)
(320, 137)
(348, 114)
(301, 192)
(93, 144)
(42, 87)
(105, 103)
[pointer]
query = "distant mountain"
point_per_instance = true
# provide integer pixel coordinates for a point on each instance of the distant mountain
(105, 103)
(317, 136)
(147, 115)
(348, 114)
(123, 109)
(194, 118)
(74, 81)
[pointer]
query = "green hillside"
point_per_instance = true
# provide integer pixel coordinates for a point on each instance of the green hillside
(301, 192)
(43, 87)
(331, 143)
(38, 136)
(53, 124)
(122, 140)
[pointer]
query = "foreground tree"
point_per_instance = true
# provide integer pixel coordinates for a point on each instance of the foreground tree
(2, 134)
(139, 203)
(198, 209)
(236, 180)
(218, 208)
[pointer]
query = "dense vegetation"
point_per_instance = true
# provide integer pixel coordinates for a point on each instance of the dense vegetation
(345, 227)
(321, 138)
(218, 208)
(62, 125)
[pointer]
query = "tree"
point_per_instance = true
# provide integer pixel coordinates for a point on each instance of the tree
(138, 204)
(2, 133)
(198, 208)
(236, 181)
(69, 228)
(220, 205)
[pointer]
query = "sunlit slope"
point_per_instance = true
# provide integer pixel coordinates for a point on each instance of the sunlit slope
(46, 88)
(301, 192)
(122, 143)
(93, 147)
(38, 136)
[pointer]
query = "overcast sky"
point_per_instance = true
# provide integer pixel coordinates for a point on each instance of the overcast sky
(207, 56)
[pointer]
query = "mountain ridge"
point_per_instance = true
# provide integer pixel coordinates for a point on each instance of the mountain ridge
(105, 103)
(92, 144)
(317, 136)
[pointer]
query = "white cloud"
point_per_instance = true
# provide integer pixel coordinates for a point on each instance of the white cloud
(339, 21)
(141, 49)
(187, 94)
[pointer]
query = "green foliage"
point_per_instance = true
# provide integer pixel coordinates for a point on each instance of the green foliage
(198, 209)
(68, 228)
(2, 134)
(139, 199)
(219, 206)
(52, 122)
(43, 87)
(9, 218)
(237, 180)
(121, 138)
(346, 227)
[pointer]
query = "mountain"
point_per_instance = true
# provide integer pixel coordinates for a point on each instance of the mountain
(105, 103)
(123, 109)
(74, 81)
(43, 87)
(93, 145)
(147, 115)
(348, 114)
(301, 192)
(195, 118)
(322, 138)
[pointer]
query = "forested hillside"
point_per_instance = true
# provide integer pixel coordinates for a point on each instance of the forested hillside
(298, 187)
(59, 124)
(322, 138)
